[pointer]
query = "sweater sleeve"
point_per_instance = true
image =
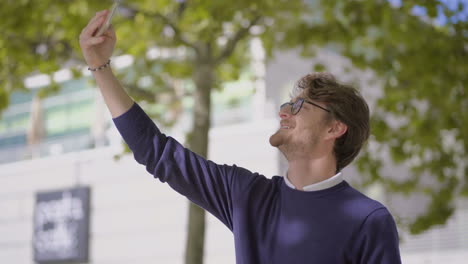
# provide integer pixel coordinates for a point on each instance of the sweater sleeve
(205, 183)
(377, 241)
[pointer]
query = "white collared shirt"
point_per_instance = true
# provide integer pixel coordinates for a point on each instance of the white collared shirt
(325, 184)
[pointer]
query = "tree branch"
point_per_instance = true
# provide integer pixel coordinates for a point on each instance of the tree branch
(231, 44)
(151, 96)
(167, 21)
(139, 93)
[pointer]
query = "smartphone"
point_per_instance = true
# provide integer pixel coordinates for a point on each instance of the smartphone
(107, 23)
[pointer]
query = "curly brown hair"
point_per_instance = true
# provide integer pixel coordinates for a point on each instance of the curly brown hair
(346, 105)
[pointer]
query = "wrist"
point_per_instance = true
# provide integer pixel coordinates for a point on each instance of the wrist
(99, 67)
(103, 72)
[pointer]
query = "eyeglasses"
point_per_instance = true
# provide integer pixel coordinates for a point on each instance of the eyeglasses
(297, 105)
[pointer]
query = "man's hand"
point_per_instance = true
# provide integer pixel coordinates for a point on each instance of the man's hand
(97, 50)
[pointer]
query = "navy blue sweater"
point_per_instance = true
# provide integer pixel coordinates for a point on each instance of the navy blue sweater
(271, 222)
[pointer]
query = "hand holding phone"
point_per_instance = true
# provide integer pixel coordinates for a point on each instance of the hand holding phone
(97, 40)
(107, 23)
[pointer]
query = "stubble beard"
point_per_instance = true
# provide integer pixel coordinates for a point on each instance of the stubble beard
(276, 139)
(292, 150)
(280, 141)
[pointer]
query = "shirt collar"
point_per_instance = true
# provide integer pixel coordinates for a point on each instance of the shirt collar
(325, 184)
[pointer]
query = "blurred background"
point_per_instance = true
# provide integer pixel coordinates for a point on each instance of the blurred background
(71, 192)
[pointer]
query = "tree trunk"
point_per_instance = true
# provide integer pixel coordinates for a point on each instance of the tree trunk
(198, 143)
(36, 128)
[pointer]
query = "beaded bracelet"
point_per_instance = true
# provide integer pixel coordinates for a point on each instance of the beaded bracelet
(100, 67)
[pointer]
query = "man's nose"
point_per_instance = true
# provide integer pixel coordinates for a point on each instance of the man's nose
(285, 112)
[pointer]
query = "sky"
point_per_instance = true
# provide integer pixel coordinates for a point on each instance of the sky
(441, 19)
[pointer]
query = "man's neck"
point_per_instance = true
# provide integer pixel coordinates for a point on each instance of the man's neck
(303, 172)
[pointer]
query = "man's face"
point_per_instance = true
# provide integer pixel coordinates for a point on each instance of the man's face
(300, 134)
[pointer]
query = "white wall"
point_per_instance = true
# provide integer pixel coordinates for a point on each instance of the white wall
(134, 217)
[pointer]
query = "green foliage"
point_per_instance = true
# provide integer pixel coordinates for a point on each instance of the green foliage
(421, 64)
(38, 37)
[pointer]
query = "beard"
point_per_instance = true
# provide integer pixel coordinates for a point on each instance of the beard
(292, 149)
(277, 139)
(281, 140)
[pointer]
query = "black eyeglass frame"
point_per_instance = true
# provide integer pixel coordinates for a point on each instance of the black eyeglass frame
(297, 105)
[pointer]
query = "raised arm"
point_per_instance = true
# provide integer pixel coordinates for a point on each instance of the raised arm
(210, 185)
(97, 52)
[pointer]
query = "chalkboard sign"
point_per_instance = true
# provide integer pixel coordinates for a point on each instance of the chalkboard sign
(61, 226)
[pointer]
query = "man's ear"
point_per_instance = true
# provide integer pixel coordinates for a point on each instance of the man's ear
(337, 129)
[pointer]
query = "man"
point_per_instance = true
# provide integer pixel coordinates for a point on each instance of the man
(310, 216)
